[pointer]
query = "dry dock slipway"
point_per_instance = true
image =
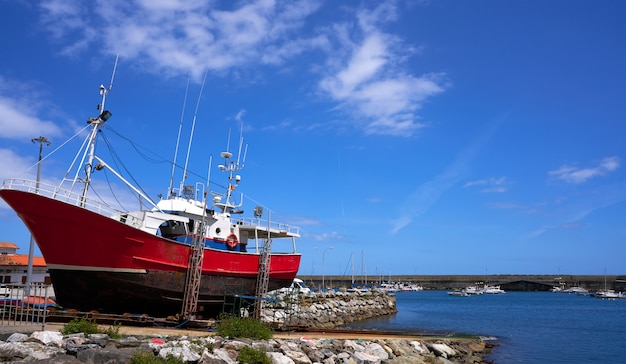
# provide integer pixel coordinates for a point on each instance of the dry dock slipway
(508, 282)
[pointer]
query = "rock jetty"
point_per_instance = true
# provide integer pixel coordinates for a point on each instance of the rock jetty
(53, 347)
(327, 309)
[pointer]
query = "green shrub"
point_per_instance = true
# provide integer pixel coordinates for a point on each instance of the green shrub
(149, 358)
(78, 325)
(113, 331)
(233, 326)
(249, 355)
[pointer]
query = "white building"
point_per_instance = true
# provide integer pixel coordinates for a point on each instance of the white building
(14, 267)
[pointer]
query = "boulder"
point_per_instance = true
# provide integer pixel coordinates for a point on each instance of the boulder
(48, 337)
(280, 358)
(441, 349)
(298, 357)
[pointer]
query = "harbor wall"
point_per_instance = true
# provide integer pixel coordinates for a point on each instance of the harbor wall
(511, 282)
(326, 309)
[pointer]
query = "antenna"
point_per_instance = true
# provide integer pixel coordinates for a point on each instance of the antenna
(105, 91)
(228, 142)
(240, 144)
(193, 127)
(180, 128)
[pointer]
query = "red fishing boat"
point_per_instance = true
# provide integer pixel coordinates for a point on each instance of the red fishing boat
(186, 254)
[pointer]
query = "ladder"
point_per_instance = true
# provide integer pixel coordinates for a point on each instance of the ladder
(263, 277)
(194, 274)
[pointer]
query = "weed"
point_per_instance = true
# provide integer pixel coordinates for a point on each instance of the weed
(249, 355)
(113, 331)
(149, 358)
(78, 325)
(233, 326)
(202, 344)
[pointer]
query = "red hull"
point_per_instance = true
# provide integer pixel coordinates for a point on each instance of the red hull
(94, 260)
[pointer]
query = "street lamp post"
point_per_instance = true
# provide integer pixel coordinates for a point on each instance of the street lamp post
(323, 275)
(29, 272)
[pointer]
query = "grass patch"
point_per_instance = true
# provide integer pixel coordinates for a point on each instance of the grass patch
(249, 355)
(149, 358)
(247, 327)
(78, 325)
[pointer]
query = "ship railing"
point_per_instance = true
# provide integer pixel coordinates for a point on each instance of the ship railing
(273, 226)
(67, 196)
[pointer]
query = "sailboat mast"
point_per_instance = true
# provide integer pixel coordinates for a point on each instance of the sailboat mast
(352, 261)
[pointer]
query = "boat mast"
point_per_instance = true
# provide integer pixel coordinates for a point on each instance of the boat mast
(96, 124)
(193, 127)
(170, 190)
(231, 167)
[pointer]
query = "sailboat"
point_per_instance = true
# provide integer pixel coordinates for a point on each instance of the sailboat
(186, 253)
(608, 293)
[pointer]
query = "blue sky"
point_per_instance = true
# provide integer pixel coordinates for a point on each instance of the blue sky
(419, 137)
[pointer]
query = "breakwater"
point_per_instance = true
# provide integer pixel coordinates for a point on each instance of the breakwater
(509, 282)
(326, 309)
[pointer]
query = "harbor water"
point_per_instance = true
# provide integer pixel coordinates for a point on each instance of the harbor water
(528, 327)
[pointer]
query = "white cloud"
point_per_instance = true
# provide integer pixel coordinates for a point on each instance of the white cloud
(370, 86)
(18, 122)
(363, 72)
(12, 165)
(327, 236)
(180, 37)
(500, 184)
(573, 174)
(20, 102)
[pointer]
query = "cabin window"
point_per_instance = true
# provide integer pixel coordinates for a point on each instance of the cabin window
(171, 229)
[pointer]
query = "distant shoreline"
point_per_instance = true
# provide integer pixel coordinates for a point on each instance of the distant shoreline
(515, 282)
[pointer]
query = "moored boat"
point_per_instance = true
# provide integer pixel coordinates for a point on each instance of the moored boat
(186, 253)
(609, 294)
(493, 290)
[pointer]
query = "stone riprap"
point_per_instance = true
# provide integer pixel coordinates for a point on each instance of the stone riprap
(326, 309)
(53, 347)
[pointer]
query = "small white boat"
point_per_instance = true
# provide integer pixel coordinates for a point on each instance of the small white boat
(473, 290)
(493, 290)
(610, 294)
(576, 290)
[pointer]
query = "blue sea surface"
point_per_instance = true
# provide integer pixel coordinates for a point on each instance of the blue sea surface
(528, 327)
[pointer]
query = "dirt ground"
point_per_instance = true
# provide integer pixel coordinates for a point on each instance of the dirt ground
(161, 331)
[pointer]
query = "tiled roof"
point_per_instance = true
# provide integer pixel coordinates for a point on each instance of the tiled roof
(20, 260)
(6, 244)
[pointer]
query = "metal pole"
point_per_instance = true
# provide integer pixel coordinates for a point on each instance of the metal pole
(323, 274)
(29, 271)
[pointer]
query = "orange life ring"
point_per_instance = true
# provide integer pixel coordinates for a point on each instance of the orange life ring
(231, 241)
